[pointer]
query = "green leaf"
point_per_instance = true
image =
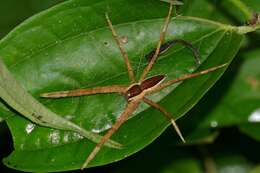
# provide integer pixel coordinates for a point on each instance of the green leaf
(65, 48)
(210, 10)
(9, 19)
(201, 136)
(255, 169)
(194, 134)
(223, 156)
(240, 97)
(252, 4)
(204, 9)
(251, 129)
(16, 97)
(242, 10)
(5, 113)
(23, 10)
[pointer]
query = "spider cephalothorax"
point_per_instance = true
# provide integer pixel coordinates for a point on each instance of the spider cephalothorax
(138, 88)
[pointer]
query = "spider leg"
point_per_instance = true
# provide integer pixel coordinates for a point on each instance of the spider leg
(157, 51)
(88, 91)
(166, 114)
(130, 108)
(123, 52)
(185, 77)
(169, 44)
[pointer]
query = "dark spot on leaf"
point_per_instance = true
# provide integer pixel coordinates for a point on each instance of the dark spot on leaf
(105, 43)
(167, 45)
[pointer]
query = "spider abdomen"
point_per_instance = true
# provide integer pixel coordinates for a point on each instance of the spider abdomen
(151, 82)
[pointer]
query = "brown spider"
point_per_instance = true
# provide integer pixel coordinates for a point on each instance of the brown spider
(137, 91)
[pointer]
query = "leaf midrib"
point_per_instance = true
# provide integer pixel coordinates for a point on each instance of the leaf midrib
(59, 42)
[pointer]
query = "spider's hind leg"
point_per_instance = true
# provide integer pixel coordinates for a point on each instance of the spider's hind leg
(167, 115)
(129, 109)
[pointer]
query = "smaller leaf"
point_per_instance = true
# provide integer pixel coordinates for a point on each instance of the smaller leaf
(16, 97)
(5, 113)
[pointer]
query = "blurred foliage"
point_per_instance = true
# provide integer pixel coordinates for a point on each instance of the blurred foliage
(13, 12)
(232, 103)
(224, 156)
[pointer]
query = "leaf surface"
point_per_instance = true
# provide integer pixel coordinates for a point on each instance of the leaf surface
(240, 101)
(69, 47)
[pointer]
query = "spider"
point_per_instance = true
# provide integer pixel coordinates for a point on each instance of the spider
(136, 91)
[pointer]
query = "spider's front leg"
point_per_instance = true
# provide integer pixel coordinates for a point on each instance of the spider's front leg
(185, 77)
(87, 91)
(160, 42)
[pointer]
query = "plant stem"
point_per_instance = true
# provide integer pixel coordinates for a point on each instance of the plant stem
(243, 8)
(209, 163)
(247, 29)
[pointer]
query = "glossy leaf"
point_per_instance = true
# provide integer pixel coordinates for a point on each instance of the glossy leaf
(63, 48)
(21, 101)
(9, 19)
(23, 10)
(209, 10)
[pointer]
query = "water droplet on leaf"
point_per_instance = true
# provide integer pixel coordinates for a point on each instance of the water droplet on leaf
(213, 124)
(254, 116)
(54, 137)
(29, 128)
